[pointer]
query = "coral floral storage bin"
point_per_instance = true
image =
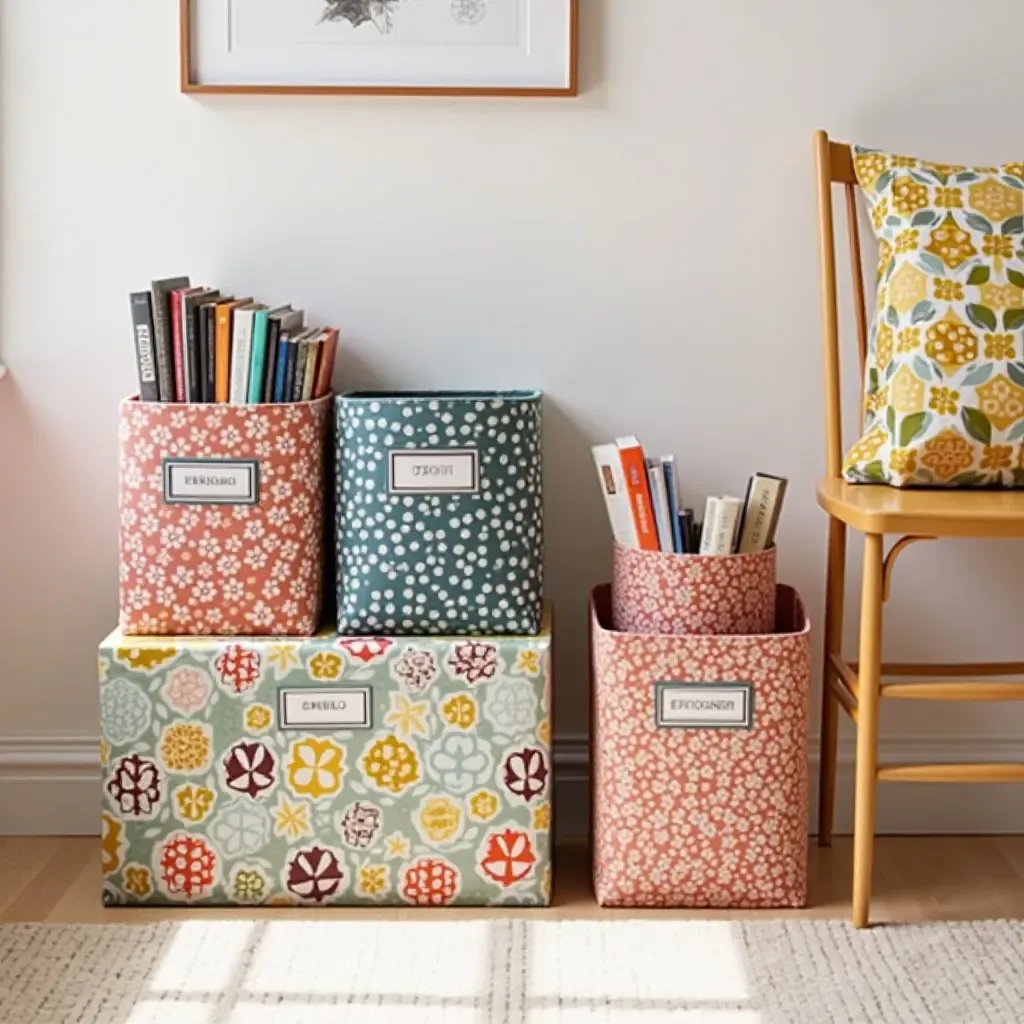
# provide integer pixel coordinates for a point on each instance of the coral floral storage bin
(657, 592)
(221, 518)
(700, 764)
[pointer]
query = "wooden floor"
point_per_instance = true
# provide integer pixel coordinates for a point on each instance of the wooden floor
(57, 880)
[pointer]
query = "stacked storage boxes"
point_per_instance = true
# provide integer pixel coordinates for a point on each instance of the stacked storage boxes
(700, 705)
(400, 760)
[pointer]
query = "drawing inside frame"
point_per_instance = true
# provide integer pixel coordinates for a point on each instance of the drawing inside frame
(511, 47)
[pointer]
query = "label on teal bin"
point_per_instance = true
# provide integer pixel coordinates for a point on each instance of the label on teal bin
(328, 708)
(689, 705)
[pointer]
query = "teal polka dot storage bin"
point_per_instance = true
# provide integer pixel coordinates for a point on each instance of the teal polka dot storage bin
(439, 513)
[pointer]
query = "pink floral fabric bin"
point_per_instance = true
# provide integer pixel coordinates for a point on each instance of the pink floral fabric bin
(700, 764)
(656, 592)
(221, 518)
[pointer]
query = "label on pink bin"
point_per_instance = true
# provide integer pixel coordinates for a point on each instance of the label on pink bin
(703, 705)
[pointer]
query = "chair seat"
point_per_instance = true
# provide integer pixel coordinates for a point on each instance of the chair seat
(875, 508)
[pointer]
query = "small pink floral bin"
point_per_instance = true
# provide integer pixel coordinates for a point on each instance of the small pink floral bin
(657, 592)
(699, 752)
(221, 518)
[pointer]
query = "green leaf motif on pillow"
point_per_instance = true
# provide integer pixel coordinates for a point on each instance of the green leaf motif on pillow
(979, 275)
(978, 425)
(981, 316)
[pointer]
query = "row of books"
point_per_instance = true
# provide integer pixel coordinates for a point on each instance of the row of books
(645, 510)
(197, 345)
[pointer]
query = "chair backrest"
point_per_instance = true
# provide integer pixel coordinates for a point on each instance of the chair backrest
(834, 162)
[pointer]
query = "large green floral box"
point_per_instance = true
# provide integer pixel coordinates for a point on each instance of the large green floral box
(328, 771)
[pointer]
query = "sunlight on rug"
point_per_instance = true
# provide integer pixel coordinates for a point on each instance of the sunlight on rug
(510, 972)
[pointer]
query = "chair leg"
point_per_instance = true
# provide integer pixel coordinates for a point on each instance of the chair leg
(869, 678)
(834, 591)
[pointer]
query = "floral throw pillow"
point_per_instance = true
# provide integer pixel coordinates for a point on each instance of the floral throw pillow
(944, 387)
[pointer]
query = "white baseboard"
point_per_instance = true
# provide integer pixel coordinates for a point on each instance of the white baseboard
(50, 786)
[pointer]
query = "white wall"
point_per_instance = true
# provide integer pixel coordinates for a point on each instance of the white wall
(645, 254)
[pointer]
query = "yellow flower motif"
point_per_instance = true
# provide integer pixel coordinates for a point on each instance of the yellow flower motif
(948, 453)
(884, 254)
(542, 818)
(325, 665)
(528, 663)
(906, 241)
(396, 847)
(483, 805)
(944, 170)
(908, 196)
(111, 843)
(103, 668)
(1002, 401)
(951, 343)
(545, 883)
(879, 213)
(998, 245)
(544, 732)
(949, 198)
(1002, 296)
(951, 243)
(904, 161)
(145, 658)
(282, 658)
(907, 391)
(373, 880)
(460, 711)
(391, 764)
(867, 447)
(994, 200)
(948, 291)
(185, 747)
(907, 287)
(249, 886)
(258, 718)
(1016, 169)
(291, 820)
(439, 819)
(193, 803)
(406, 716)
(996, 456)
(869, 167)
(999, 346)
(909, 339)
(104, 753)
(316, 767)
(944, 401)
(883, 347)
(903, 460)
(138, 881)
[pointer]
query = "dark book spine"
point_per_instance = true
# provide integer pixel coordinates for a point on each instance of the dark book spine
(210, 378)
(301, 357)
(145, 351)
(162, 347)
(193, 386)
(203, 334)
(289, 371)
(273, 333)
(280, 373)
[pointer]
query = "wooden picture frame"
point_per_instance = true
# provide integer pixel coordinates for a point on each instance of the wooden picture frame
(192, 84)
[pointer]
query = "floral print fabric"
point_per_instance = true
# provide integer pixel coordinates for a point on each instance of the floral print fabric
(446, 799)
(232, 570)
(653, 592)
(700, 817)
(944, 384)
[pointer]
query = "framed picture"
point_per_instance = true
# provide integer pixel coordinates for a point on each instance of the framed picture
(418, 47)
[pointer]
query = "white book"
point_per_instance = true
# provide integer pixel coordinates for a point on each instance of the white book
(728, 527)
(709, 528)
(241, 353)
(761, 512)
(616, 497)
(659, 499)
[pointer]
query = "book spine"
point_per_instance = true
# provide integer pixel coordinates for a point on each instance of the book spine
(210, 350)
(301, 359)
(145, 351)
(780, 496)
(635, 473)
(659, 500)
(616, 497)
(193, 364)
(258, 363)
(709, 528)
(273, 333)
(162, 346)
(668, 469)
(761, 512)
(312, 361)
(241, 356)
(292, 354)
(178, 346)
(326, 368)
(686, 530)
(728, 523)
(222, 354)
(281, 373)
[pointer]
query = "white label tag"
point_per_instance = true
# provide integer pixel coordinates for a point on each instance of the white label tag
(704, 705)
(324, 707)
(211, 482)
(433, 471)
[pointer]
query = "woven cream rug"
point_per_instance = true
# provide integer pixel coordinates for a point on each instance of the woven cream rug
(510, 972)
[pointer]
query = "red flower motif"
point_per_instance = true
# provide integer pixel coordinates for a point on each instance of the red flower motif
(359, 825)
(525, 773)
(314, 874)
(237, 669)
(249, 768)
(135, 786)
(507, 857)
(475, 662)
(431, 882)
(367, 649)
(188, 866)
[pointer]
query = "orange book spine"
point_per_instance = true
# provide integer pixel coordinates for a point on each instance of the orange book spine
(634, 469)
(326, 369)
(222, 354)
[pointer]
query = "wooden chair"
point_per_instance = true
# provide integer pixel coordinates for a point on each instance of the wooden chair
(877, 511)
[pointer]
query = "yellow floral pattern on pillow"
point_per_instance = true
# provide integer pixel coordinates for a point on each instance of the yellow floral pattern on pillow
(944, 385)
